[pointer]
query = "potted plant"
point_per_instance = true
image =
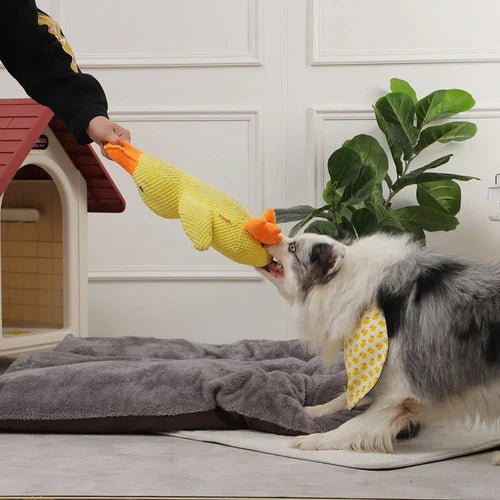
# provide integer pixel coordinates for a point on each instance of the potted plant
(359, 195)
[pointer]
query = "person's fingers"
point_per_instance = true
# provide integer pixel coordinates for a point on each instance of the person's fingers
(102, 131)
(125, 135)
(104, 152)
(110, 136)
(117, 134)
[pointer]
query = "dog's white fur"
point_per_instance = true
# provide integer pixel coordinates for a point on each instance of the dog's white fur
(328, 315)
(326, 322)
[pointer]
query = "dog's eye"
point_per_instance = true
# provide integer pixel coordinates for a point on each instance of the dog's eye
(291, 247)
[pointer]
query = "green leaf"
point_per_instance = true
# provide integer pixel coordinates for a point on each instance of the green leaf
(425, 218)
(390, 221)
(357, 167)
(371, 154)
(378, 193)
(360, 188)
(413, 176)
(345, 230)
(447, 132)
(395, 116)
(296, 228)
(327, 195)
(433, 164)
(364, 221)
(418, 234)
(409, 179)
(343, 165)
(442, 103)
(284, 215)
(378, 209)
(396, 150)
(403, 87)
(322, 227)
(346, 212)
(444, 196)
(317, 212)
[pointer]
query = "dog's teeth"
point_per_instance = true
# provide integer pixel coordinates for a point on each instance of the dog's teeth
(274, 267)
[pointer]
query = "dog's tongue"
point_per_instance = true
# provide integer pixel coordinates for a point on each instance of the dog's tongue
(275, 269)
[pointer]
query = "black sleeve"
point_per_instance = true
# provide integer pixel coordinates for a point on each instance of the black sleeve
(34, 51)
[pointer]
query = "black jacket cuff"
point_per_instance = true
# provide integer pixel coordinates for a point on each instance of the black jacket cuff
(80, 121)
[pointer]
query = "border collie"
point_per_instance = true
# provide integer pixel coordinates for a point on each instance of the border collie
(443, 323)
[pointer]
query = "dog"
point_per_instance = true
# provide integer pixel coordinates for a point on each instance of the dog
(443, 323)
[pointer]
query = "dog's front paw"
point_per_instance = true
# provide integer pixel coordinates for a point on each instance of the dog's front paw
(495, 458)
(312, 442)
(314, 411)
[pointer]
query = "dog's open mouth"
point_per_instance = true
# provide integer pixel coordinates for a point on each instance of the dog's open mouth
(275, 268)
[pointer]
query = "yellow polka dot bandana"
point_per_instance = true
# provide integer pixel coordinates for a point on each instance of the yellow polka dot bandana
(365, 353)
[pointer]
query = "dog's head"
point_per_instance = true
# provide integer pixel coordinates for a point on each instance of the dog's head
(301, 263)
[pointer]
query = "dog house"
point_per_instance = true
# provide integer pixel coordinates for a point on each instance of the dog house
(48, 183)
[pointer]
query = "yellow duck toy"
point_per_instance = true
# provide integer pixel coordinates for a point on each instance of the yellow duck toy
(209, 216)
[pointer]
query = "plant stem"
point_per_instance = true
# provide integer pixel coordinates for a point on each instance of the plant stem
(333, 190)
(407, 164)
(334, 211)
(389, 198)
(356, 234)
(392, 193)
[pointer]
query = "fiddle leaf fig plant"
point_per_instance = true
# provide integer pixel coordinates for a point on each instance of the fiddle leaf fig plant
(358, 197)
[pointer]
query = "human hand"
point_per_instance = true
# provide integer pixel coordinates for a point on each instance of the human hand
(102, 130)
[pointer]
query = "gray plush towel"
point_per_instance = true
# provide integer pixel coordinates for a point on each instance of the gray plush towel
(140, 384)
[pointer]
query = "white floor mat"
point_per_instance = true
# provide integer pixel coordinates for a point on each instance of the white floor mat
(434, 443)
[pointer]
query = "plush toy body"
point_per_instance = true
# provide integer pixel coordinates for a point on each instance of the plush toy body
(209, 216)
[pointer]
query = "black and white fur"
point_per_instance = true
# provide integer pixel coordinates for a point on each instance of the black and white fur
(443, 319)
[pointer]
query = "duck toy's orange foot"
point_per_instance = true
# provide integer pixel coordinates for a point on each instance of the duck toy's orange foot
(264, 228)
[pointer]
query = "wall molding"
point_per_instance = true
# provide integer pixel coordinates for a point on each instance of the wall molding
(251, 57)
(319, 115)
(321, 56)
(146, 274)
(249, 115)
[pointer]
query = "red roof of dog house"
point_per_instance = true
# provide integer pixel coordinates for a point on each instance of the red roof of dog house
(22, 121)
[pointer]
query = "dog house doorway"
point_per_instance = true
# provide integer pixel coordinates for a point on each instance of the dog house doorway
(32, 254)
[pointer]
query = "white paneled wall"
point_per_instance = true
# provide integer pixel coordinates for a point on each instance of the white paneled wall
(387, 31)
(165, 32)
(253, 96)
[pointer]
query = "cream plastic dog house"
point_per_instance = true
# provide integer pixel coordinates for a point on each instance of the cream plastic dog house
(48, 183)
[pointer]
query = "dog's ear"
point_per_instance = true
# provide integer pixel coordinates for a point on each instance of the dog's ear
(323, 256)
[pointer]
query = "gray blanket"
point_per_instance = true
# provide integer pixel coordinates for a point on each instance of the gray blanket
(144, 384)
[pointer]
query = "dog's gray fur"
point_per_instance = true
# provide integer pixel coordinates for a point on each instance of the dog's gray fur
(445, 314)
